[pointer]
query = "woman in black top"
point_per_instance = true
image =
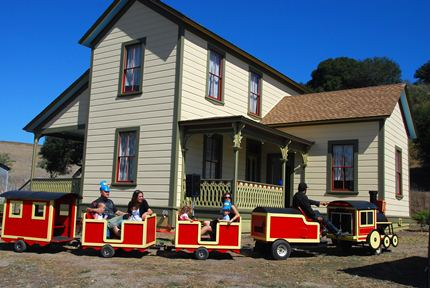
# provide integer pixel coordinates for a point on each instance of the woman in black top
(138, 208)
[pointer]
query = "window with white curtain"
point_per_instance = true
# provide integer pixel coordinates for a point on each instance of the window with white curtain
(343, 168)
(126, 161)
(215, 75)
(132, 68)
(255, 94)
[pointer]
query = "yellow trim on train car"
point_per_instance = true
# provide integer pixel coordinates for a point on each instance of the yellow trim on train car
(208, 244)
(11, 208)
(33, 211)
(117, 242)
(292, 240)
(48, 234)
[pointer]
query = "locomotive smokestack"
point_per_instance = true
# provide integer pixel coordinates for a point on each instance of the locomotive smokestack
(373, 197)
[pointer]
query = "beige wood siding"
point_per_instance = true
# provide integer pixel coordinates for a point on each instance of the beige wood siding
(75, 113)
(236, 85)
(152, 111)
(396, 135)
(316, 171)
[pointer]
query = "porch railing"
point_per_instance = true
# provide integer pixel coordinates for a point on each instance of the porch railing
(251, 194)
(66, 185)
(211, 191)
(248, 194)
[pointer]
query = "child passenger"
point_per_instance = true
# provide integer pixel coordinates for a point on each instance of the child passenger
(184, 213)
(99, 213)
(225, 211)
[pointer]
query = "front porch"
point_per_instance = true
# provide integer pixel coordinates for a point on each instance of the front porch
(255, 163)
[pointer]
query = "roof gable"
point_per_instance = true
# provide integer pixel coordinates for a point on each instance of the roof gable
(119, 7)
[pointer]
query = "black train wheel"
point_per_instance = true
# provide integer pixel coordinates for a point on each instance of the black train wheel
(201, 253)
(395, 240)
(280, 250)
(107, 251)
(19, 246)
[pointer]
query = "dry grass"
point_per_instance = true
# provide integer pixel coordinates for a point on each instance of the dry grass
(402, 266)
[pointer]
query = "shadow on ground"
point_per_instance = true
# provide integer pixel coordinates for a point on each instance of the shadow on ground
(408, 271)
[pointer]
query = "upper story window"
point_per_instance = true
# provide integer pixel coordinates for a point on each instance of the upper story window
(215, 77)
(255, 94)
(131, 68)
(212, 157)
(399, 190)
(127, 146)
(342, 166)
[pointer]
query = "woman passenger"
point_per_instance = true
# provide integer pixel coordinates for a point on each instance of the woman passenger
(138, 208)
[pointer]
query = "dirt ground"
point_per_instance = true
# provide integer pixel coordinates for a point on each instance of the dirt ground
(328, 267)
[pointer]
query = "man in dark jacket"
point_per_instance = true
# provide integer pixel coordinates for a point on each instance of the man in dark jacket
(300, 200)
(109, 209)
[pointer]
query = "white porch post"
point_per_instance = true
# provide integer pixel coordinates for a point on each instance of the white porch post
(284, 153)
(237, 140)
(34, 159)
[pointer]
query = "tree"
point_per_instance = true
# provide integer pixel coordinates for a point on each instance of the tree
(345, 73)
(423, 73)
(6, 160)
(59, 154)
(420, 102)
(334, 74)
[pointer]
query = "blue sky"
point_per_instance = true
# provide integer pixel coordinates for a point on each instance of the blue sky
(40, 56)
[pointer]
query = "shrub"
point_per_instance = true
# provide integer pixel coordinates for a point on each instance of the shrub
(422, 217)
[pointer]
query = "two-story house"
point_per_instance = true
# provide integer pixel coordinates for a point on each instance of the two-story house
(165, 97)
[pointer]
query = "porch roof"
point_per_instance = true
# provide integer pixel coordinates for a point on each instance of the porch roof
(251, 129)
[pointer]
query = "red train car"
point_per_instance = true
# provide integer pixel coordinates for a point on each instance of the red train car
(135, 235)
(364, 223)
(227, 237)
(38, 218)
(276, 229)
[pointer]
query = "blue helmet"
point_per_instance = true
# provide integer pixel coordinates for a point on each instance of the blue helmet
(104, 186)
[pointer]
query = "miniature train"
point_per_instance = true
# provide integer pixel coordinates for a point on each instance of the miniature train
(45, 218)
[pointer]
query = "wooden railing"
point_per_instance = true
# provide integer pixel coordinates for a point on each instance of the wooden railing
(66, 185)
(251, 194)
(211, 191)
(248, 195)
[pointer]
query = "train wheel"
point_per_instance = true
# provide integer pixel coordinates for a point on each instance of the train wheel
(19, 246)
(386, 242)
(395, 240)
(281, 250)
(107, 251)
(201, 253)
(374, 240)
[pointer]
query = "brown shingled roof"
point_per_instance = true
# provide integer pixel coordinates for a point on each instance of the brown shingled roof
(369, 102)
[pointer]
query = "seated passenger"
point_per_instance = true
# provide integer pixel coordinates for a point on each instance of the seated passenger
(114, 216)
(184, 215)
(225, 211)
(138, 207)
(99, 214)
(300, 200)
